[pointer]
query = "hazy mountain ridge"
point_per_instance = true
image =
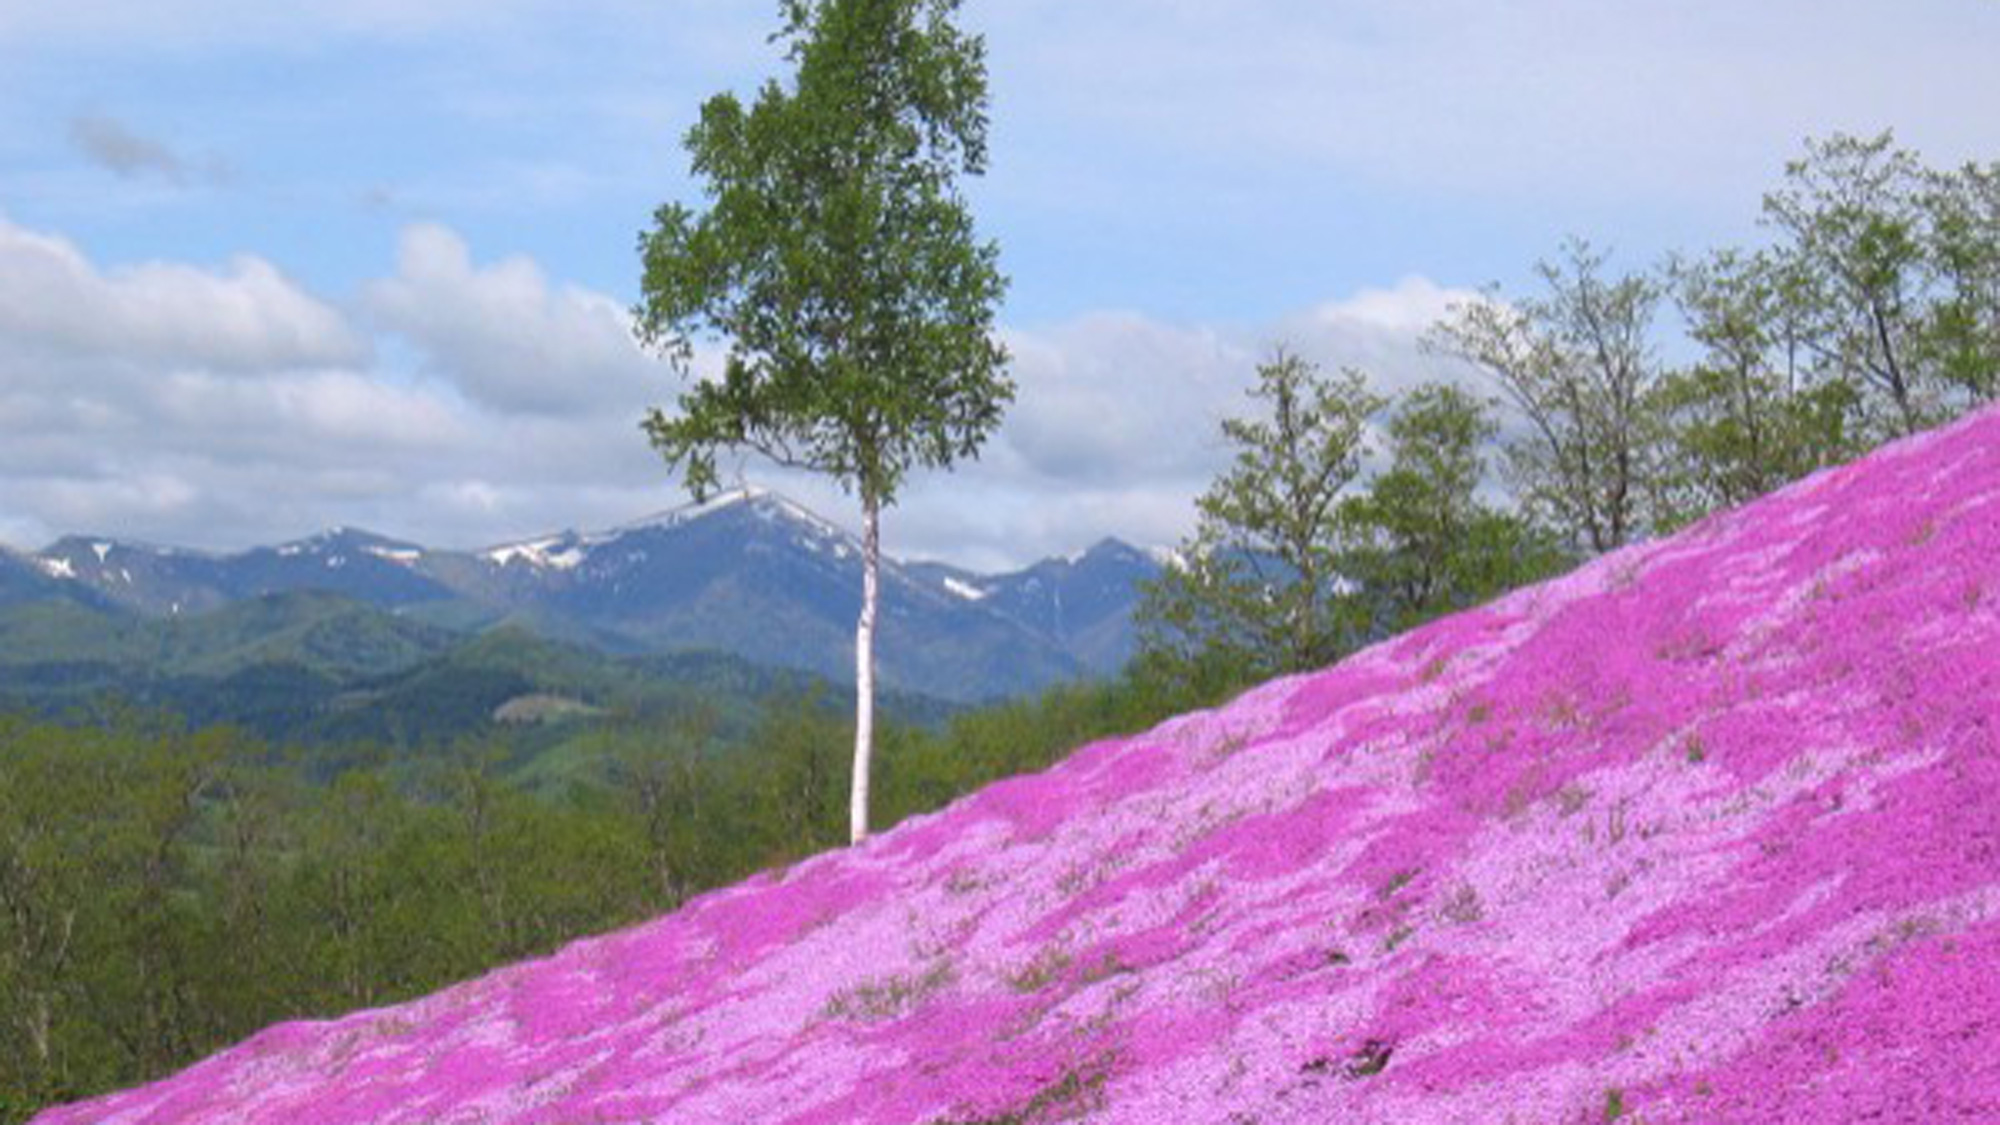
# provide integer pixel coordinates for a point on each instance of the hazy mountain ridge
(1701, 832)
(27, 578)
(748, 572)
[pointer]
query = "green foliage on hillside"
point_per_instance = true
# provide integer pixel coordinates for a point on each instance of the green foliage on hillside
(1259, 581)
(1871, 311)
(166, 891)
(1294, 564)
(320, 669)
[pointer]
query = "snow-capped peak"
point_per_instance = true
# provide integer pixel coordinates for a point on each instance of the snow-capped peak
(96, 551)
(800, 513)
(349, 538)
(554, 552)
(570, 549)
(762, 502)
(693, 510)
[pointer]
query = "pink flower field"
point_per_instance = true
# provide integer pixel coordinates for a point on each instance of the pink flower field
(1707, 831)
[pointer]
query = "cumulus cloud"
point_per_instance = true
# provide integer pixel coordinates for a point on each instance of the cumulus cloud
(463, 403)
(1406, 309)
(245, 317)
(223, 406)
(359, 413)
(1118, 397)
(1117, 424)
(507, 338)
(168, 400)
(1380, 332)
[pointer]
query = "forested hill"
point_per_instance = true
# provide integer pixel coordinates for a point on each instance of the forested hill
(312, 668)
(1702, 832)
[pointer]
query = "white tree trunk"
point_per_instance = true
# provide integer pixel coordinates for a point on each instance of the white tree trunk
(864, 665)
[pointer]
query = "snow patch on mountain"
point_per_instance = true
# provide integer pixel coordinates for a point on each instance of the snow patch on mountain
(775, 504)
(964, 589)
(558, 552)
(694, 510)
(569, 550)
(732, 573)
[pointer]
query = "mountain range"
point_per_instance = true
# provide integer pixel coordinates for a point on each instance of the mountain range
(749, 574)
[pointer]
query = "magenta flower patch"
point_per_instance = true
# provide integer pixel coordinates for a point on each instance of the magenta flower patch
(1708, 831)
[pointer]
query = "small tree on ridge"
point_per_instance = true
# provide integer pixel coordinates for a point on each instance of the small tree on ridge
(1258, 586)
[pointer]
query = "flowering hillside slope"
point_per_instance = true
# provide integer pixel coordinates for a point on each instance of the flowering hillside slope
(1708, 831)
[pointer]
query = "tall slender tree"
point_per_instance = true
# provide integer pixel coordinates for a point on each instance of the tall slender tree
(837, 260)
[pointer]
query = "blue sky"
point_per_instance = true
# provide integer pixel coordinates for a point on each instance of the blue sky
(266, 267)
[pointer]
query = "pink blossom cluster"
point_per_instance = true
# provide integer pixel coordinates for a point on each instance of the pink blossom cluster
(1707, 831)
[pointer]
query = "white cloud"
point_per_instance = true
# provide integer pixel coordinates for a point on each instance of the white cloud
(1117, 396)
(227, 407)
(223, 407)
(505, 337)
(1408, 308)
(1379, 331)
(247, 317)
(355, 412)
(1117, 424)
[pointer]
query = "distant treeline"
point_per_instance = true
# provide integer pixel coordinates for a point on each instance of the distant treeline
(166, 892)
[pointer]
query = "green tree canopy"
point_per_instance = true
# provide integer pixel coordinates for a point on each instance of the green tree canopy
(1423, 541)
(1895, 270)
(1963, 327)
(1747, 415)
(1258, 585)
